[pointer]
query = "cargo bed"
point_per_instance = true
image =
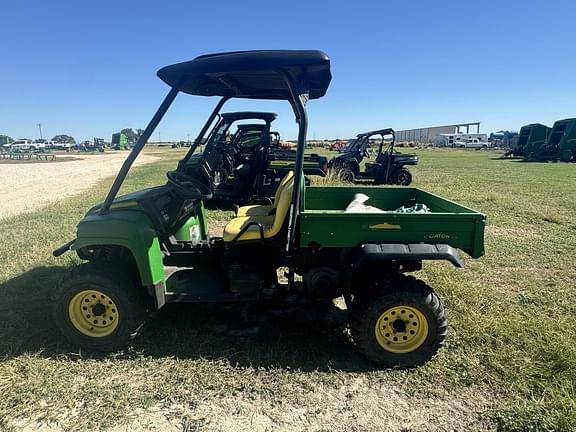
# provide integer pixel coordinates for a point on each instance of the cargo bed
(324, 221)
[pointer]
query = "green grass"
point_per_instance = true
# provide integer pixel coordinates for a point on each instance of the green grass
(512, 339)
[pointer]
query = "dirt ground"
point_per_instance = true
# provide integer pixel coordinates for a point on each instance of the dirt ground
(27, 186)
(358, 406)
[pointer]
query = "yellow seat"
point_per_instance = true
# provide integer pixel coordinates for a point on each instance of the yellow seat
(271, 225)
(266, 210)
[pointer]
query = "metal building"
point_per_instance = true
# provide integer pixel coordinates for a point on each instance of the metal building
(427, 135)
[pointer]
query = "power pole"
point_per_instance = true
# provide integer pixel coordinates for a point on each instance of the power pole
(40, 127)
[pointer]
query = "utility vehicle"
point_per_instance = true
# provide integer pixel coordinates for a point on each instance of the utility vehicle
(249, 166)
(388, 168)
(152, 247)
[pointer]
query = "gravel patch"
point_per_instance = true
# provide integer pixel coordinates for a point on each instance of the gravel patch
(27, 187)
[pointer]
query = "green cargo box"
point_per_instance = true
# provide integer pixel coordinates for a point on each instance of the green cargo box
(324, 220)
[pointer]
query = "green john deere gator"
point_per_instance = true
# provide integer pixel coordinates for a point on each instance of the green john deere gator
(153, 247)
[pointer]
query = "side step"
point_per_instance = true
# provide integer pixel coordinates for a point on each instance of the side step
(192, 285)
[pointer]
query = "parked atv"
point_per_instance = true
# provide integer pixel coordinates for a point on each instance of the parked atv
(152, 247)
(388, 168)
(248, 166)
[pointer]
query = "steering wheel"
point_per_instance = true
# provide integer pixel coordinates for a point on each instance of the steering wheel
(188, 187)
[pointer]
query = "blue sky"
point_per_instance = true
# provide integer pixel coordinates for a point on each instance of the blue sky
(88, 68)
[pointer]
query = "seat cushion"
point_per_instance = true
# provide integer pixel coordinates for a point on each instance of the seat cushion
(267, 210)
(253, 233)
(255, 210)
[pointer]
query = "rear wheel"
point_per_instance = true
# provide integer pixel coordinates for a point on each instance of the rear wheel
(402, 177)
(400, 324)
(346, 175)
(99, 307)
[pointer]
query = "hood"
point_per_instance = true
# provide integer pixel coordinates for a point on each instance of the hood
(128, 201)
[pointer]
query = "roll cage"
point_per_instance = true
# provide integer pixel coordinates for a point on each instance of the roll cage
(295, 76)
(362, 140)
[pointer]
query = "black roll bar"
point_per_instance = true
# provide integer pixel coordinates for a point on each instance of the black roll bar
(203, 131)
(299, 99)
(138, 148)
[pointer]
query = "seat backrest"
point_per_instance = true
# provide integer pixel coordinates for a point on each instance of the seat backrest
(283, 183)
(282, 208)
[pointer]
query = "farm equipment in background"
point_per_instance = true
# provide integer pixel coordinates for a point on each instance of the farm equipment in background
(338, 145)
(96, 145)
(530, 138)
(560, 145)
(120, 141)
(388, 168)
(503, 139)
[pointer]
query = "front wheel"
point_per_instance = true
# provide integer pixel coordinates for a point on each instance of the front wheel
(99, 307)
(402, 177)
(400, 324)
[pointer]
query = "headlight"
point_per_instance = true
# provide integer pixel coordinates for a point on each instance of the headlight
(195, 234)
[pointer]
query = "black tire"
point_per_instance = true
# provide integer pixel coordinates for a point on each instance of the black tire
(117, 286)
(402, 177)
(408, 295)
(346, 175)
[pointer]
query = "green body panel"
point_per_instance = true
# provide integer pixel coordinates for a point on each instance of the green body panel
(199, 220)
(127, 228)
(323, 220)
(127, 225)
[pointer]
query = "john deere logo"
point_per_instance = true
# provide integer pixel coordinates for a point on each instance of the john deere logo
(384, 226)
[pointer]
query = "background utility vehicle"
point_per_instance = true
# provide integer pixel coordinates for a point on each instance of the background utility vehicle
(151, 247)
(388, 168)
(249, 166)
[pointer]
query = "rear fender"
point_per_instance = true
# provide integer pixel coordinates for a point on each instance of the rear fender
(400, 253)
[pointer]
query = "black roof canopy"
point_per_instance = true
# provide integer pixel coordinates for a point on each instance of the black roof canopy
(386, 131)
(268, 117)
(251, 74)
(244, 127)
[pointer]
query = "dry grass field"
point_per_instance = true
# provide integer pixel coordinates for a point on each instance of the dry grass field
(509, 363)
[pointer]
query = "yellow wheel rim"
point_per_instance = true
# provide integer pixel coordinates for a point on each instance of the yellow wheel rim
(93, 313)
(401, 329)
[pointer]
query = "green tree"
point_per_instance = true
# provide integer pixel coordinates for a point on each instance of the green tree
(64, 139)
(5, 139)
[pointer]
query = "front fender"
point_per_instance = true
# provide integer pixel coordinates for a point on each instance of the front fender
(130, 229)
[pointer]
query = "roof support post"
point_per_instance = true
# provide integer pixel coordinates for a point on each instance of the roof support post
(299, 99)
(138, 148)
(198, 139)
